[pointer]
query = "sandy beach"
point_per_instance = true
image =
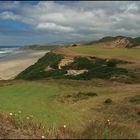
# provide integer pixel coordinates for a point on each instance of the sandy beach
(11, 66)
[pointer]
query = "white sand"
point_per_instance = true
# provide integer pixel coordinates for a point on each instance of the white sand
(10, 67)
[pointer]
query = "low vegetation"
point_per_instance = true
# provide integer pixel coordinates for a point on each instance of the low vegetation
(97, 104)
(135, 99)
(13, 127)
(76, 97)
(38, 102)
(97, 68)
(108, 101)
(40, 47)
(37, 71)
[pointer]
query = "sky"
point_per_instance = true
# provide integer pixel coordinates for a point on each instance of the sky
(42, 22)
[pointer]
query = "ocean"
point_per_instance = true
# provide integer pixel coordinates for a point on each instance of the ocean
(7, 51)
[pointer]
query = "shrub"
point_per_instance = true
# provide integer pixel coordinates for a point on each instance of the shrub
(80, 96)
(117, 61)
(108, 101)
(138, 113)
(91, 94)
(98, 68)
(85, 95)
(37, 71)
(135, 99)
(80, 63)
(102, 72)
(111, 63)
(58, 73)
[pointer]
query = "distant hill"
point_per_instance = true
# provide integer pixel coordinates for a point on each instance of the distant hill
(50, 46)
(117, 42)
(40, 47)
(105, 42)
(137, 41)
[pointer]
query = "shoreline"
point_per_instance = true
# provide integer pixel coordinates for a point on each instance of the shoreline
(11, 66)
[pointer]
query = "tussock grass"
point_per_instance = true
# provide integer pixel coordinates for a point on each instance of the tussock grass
(108, 101)
(107, 130)
(135, 99)
(13, 127)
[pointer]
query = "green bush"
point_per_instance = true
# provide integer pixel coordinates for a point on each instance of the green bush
(80, 63)
(81, 96)
(138, 113)
(58, 73)
(88, 94)
(102, 72)
(111, 63)
(108, 101)
(99, 68)
(135, 99)
(37, 71)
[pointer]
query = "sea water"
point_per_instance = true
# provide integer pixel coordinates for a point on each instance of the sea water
(7, 51)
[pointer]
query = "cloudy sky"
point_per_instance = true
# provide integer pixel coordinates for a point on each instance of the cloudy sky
(35, 22)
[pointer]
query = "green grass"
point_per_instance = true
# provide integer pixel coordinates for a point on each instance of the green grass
(46, 100)
(107, 52)
(41, 99)
(15, 127)
(38, 99)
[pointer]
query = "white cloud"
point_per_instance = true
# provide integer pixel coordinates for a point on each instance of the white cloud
(8, 15)
(53, 26)
(9, 4)
(82, 18)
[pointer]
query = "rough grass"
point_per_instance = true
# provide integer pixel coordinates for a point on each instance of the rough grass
(76, 97)
(38, 101)
(135, 99)
(13, 127)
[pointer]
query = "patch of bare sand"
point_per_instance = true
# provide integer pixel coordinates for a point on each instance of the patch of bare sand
(9, 68)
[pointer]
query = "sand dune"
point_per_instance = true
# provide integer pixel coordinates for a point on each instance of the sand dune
(10, 67)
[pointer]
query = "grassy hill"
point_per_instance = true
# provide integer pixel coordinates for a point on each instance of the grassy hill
(116, 42)
(98, 68)
(37, 71)
(40, 47)
(105, 42)
(101, 103)
(137, 40)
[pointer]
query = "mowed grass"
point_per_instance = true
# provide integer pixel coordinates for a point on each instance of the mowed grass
(37, 99)
(86, 50)
(131, 55)
(42, 100)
